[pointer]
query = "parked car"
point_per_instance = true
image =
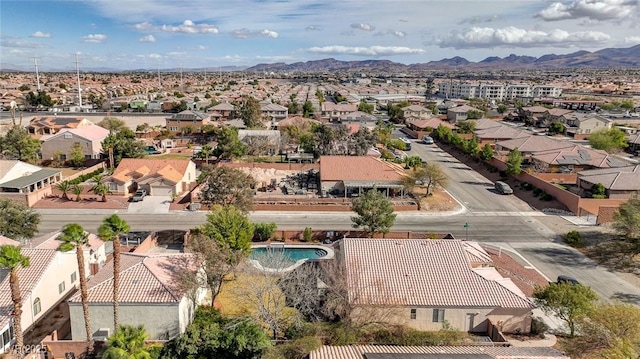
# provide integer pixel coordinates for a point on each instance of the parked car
(427, 140)
(566, 279)
(139, 195)
(503, 188)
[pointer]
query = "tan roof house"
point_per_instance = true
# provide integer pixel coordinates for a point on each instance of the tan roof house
(149, 296)
(89, 137)
(415, 112)
(333, 111)
(274, 112)
(187, 121)
(490, 131)
(575, 158)
(159, 177)
(48, 280)
(222, 112)
(347, 176)
(423, 283)
(581, 125)
(619, 183)
(460, 113)
(530, 144)
(52, 124)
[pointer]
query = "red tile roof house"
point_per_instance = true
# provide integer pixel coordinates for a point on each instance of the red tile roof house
(45, 283)
(619, 183)
(490, 131)
(51, 125)
(344, 176)
(159, 177)
(148, 296)
(423, 283)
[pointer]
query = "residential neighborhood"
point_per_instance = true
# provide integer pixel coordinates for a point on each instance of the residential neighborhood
(343, 216)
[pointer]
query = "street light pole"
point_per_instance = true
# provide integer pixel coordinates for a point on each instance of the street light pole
(466, 230)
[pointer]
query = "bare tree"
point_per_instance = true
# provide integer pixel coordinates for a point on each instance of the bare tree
(430, 176)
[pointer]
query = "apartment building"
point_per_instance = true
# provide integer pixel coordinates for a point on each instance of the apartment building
(496, 91)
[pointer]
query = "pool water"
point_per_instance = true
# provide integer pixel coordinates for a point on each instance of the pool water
(270, 257)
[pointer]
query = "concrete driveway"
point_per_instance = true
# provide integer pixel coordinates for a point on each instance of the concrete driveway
(150, 205)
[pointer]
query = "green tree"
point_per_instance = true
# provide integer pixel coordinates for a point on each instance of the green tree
(556, 127)
(111, 229)
(65, 188)
(231, 229)
(292, 108)
(17, 220)
(375, 212)
(475, 115)
(102, 190)
(429, 176)
(360, 142)
(467, 126)
(413, 161)
(11, 260)
(77, 155)
(17, 144)
(611, 140)
(77, 189)
(502, 109)
(365, 107)
(128, 342)
(113, 124)
(429, 88)
(610, 331)
(514, 162)
(569, 302)
(227, 186)
(250, 113)
(123, 144)
(486, 153)
(75, 238)
(598, 191)
(627, 221)
(229, 144)
(213, 336)
(307, 109)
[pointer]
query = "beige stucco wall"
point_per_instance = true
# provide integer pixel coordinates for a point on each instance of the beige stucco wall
(507, 320)
(47, 288)
(158, 319)
(65, 145)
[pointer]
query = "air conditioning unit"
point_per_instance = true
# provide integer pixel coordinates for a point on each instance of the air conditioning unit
(101, 334)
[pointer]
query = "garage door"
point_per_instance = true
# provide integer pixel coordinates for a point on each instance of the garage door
(161, 190)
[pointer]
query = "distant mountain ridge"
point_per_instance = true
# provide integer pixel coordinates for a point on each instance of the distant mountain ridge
(606, 58)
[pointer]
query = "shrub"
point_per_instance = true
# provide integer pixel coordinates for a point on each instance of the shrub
(307, 235)
(86, 176)
(526, 186)
(342, 335)
(300, 348)
(537, 192)
(546, 197)
(538, 327)
(599, 196)
(263, 231)
(502, 174)
(574, 239)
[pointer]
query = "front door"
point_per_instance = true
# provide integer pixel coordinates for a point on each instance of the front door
(469, 321)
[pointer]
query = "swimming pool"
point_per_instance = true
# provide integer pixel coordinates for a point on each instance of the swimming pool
(284, 257)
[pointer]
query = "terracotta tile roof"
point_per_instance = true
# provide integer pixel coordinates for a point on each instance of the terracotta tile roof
(531, 144)
(434, 273)
(5, 240)
(579, 156)
(358, 168)
(39, 261)
(620, 179)
(50, 241)
(479, 352)
(142, 167)
(56, 122)
(91, 133)
(143, 279)
(432, 122)
(462, 109)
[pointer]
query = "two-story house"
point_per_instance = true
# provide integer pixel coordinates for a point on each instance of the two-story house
(274, 112)
(222, 112)
(53, 124)
(89, 137)
(187, 121)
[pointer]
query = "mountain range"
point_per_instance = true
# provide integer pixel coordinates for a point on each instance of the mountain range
(606, 58)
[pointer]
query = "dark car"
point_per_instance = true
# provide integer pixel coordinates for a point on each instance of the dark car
(139, 195)
(503, 188)
(566, 279)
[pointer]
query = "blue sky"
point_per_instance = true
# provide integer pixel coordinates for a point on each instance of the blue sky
(153, 34)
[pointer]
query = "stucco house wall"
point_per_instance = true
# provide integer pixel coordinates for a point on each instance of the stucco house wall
(64, 143)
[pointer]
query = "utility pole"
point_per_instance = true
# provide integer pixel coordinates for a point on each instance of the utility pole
(78, 77)
(35, 60)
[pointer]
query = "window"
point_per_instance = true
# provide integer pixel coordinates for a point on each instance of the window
(37, 307)
(61, 287)
(414, 313)
(113, 186)
(438, 315)
(6, 338)
(173, 128)
(74, 276)
(68, 135)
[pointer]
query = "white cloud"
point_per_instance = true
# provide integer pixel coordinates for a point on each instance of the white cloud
(40, 34)
(155, 56)
(11, 42)
(479, 20)
(148, 38)
(363, 26)
(397, 33)
(632, 40)
(312, 28)
(590, 9)
(187, 27)
(202, 47)
(143, 26)
(482, 37)
(246, 33)
(366, 51)
(94, 38)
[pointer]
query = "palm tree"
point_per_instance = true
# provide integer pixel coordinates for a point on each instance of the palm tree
(110, 230)
(109, 144)
(101, 189)
(127, 343)
(74, 237)
(64, 187)
(206, 152)
(77, 189)
(11, 259)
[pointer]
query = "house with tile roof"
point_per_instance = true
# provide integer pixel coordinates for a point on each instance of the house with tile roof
(50, 125)
(89, 137)
(490, 131)
(159, 177)
(332, 111)
(48, 280)
(633, 143)
(619, 183)
(187, 121)
(223, 111)
(423, 283)
(434, 352)
(415, 112)
(575, 158)
(26, 183)
(274, 112)
(358, 116)
(148, 296)
(580, 125)
(347, 176)
(95, 253)
(460, 113)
